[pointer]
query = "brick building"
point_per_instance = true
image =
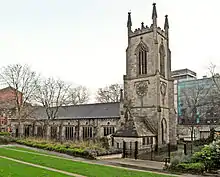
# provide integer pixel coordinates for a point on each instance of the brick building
(8, 99)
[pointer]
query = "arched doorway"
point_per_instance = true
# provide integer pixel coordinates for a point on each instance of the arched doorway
(164, 131)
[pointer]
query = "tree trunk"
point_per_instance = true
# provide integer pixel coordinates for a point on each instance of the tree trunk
(192, 133)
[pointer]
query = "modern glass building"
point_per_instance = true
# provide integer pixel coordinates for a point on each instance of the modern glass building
(195, 100)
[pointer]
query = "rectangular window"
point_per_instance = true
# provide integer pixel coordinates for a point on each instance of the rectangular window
(87, 132)
(69, 133)
(40, 131)
(143, 141)
(53, 132)
(108, 130)
(118, 145)
(27, 131)
(147, 140)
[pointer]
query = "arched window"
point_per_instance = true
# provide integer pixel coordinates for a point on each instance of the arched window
(164, 131)
(162, 59)
(141, 53)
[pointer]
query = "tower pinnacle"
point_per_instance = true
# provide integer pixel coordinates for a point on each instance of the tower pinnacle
(154, 13)
(154, 18)
(166, 24)
(129, 23)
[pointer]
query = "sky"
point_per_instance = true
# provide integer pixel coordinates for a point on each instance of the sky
(84, 42)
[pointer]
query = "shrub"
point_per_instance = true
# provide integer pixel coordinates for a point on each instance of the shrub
(4, 134)
(209, 155)
(79, 152)
(104, 142)
(6, 139)
(197, 168)
(174, 162)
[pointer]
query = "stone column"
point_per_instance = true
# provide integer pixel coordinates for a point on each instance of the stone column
(21, 130)
(63, 129)
(80, 133)
(58, 131)
(35, 130)
(30, 130)
(48, 132)
(13, 127)
(101, 131)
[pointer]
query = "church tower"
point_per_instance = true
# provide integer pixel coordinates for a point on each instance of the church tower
(148, 88)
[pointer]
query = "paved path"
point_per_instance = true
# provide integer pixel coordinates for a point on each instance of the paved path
(39, 166)
(153, 165)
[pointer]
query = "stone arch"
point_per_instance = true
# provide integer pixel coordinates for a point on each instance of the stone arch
(163, 131)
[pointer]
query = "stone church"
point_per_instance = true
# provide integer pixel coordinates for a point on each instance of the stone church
(145, 112)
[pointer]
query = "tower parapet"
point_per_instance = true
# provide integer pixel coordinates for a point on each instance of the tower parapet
(139, 31)
(147, 29)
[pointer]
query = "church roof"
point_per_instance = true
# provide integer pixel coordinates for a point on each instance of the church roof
(128, 130)
(84, 111)
(134, 127)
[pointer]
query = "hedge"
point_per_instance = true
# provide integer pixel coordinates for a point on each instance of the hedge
(4, 134)
(77, 152)
(196, 168)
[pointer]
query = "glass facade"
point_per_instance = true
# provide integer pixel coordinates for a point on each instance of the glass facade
(194, 99)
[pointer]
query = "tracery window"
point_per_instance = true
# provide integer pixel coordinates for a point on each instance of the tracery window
(142, 52)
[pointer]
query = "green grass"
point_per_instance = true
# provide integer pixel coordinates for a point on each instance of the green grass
(32, 150)
(91, 170)
(13, 169)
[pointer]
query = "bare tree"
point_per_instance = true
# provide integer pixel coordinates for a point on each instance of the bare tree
(196, 100)
(78, 95)
(215, 78)
(109, 93)
(22, 82)
(52, 94)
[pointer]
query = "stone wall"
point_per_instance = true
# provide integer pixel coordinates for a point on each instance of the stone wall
(200, 131)
(97, 126)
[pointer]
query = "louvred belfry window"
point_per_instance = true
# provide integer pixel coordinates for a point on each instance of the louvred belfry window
(142, 56)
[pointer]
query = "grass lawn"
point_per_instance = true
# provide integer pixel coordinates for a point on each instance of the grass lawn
(32, 150)
(13, 169)
(90, 170)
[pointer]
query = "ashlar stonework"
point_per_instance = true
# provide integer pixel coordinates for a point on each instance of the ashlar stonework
(148, 87)
(145, 112)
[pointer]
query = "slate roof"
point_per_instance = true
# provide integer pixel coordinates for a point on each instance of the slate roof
(128, 130)
(84, 111)
(134, 128)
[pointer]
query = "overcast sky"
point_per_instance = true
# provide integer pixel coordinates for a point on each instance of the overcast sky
(84, 41)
